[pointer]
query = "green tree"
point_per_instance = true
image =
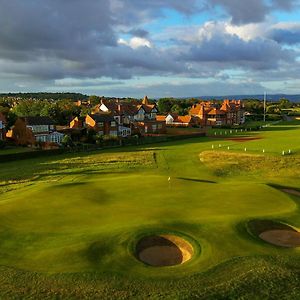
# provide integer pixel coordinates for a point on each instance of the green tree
(67, 141)
(284, 103)
(165, 104)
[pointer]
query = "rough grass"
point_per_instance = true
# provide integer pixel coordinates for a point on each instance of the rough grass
(233, 164)
(276, 278)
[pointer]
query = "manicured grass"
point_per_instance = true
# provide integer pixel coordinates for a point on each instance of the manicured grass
(69, 224)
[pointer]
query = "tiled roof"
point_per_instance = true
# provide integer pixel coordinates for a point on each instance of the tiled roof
(160, 118)
(184, 119)
(102, 118)
(216, 111)
(38, 120)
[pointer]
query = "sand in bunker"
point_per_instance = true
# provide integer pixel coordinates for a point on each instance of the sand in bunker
(282, 238)
(164, 250)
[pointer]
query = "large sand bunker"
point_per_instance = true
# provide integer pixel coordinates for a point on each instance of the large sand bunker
(244, 139)
(282, 238)
(164, 250)
(275, 233)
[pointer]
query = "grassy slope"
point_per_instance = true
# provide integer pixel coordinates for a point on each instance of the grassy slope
(67, 224)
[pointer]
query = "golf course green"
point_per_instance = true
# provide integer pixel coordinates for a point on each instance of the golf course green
(73, 226)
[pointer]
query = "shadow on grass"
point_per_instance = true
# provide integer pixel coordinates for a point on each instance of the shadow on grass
(85, 172)
(286, 189)
(196, 180)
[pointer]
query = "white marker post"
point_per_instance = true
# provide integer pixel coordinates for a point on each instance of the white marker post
(228, 148)
(245, 149)
(212, 147)
(283, 153)
(220, 145)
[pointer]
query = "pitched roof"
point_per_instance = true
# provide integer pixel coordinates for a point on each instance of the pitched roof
(216, 111)
(145, 101)
(196, 109)
(39, 120)
(102, 118)
(160, 118)
(184, 119)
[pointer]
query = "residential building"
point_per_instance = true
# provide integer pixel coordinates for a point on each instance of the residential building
(103, 124)
(140, 117)
(28, 130)
(174, 120)
(230, 112)
(77, 123)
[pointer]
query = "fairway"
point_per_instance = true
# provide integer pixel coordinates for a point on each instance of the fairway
(89, 225)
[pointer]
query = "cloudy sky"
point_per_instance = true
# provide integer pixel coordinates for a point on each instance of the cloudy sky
(154, 47)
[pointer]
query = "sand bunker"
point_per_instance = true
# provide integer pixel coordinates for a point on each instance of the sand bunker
(244, 139)
(164, 250)
(275, 233)
(282, 238)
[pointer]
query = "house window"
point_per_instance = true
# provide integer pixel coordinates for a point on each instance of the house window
(100, 124)
(159, 126)
(154, 127)
(113, 124)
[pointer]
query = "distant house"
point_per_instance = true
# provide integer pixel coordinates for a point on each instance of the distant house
(77, 123)
(230, 112)
(28, 130)
(103, 124)
(3, 124)
(149, 127)
(174, 120)
(139, 117)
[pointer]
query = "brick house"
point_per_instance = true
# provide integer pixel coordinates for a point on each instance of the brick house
(174, 120)
(140, 117)
(103, 124)
(77, 123)
(230, 112)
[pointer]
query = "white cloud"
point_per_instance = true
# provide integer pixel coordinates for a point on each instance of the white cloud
(136, 42)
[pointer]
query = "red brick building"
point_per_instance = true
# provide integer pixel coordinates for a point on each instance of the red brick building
(230, 112)
(103, 124)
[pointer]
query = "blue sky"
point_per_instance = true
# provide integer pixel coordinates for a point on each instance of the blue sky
(156, 47)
